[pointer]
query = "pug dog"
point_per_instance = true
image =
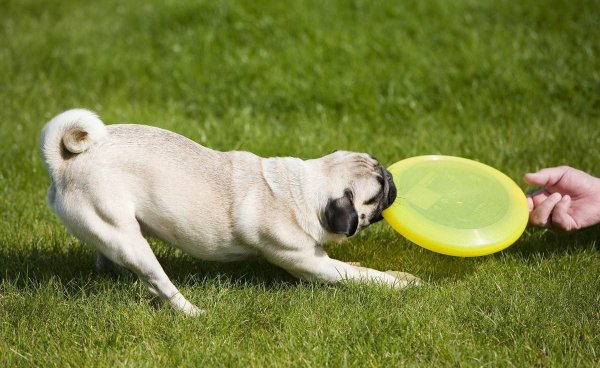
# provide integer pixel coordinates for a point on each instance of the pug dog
(113, 185)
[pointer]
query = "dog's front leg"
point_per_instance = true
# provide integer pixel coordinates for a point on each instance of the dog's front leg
(315, 265)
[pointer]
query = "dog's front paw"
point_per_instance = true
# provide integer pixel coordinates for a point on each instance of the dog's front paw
(404, 279)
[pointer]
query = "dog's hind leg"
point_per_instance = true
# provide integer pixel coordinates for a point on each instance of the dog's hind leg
(105, 265)
(122, 243)
(130, 250)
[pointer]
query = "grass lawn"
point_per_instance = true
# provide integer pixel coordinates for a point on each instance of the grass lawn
(513, 84)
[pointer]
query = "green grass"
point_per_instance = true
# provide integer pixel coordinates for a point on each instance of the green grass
(514, 84)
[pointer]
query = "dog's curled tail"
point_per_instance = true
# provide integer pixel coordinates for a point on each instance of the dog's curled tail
(67, 134)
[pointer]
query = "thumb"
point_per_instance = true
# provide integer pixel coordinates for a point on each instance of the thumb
(546, 177)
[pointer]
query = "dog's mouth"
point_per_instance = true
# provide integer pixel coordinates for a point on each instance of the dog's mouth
(390, 194)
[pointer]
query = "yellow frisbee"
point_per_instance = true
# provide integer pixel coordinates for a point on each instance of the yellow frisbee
(456, 206)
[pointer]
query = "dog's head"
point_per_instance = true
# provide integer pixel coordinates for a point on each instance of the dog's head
(359, 189)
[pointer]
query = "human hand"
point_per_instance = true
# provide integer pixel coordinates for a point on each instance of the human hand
(569, 201)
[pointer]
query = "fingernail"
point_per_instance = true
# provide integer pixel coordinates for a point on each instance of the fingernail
(566, 198)
(555, 196)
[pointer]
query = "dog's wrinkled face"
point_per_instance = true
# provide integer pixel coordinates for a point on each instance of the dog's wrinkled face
(360, 189)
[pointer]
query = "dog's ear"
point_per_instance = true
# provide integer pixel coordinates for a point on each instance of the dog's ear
(341, 216)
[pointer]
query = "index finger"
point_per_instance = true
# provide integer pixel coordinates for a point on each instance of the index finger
(536, 198)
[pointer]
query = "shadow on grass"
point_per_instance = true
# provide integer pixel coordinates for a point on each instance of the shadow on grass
(439, 268)
(74, 266)
(533, 246)
(383, 252)
(536, 244)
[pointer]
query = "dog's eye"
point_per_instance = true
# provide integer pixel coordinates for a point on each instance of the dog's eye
(379, 194)
(375, 198)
